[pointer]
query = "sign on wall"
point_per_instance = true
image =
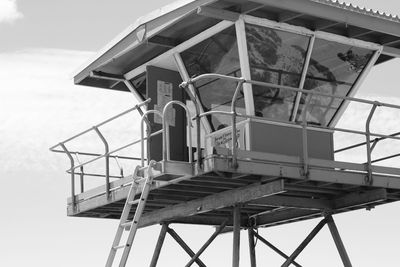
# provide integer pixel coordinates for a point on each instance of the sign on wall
(164, 95)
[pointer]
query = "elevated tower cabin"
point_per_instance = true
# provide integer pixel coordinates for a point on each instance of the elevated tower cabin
(239, 102)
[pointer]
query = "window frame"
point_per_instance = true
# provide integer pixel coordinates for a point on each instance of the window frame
(313, 35)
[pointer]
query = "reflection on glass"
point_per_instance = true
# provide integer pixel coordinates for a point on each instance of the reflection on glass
(333, 69)
(275, 57)
(218, 54)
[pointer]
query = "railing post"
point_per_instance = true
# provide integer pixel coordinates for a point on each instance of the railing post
(368, 179)
(166, 148)
(305, 136)
(234, 128)
(198, 125)
(107, 158)
(72, 173)
(143, 118)
(81, 173)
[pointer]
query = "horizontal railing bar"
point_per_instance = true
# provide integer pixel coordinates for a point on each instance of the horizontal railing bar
(95, 154)
(364, 143)
(96, 175)
(116, 150)
(265, 84)
(102, 123)
(385, 158)
(289, 123)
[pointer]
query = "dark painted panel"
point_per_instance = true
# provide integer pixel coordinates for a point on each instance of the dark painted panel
(288, 140)
(157, 77)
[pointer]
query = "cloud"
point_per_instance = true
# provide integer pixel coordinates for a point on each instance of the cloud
(9, 11)
(385, 121)
(41, 106)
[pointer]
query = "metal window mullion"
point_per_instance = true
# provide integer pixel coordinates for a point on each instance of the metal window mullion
(244, 65)
(303, 77)
(181, 47)
(363, 75)
(185, 76)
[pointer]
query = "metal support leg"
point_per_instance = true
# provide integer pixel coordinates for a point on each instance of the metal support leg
(338, 241)
(236, 236)
(185, 247)
(303, 244)
(206, 244)
(159, 245)
(277, 250)
(252, 248)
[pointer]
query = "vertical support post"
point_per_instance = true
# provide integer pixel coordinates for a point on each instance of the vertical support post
(303, 244)
(107, 159)
(252, 248)
(236, 236)
(368, 142)
(338, 241)
(159, 245)
(72, 161)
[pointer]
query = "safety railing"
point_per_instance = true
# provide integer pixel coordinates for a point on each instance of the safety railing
(62, 148)
(371, 138)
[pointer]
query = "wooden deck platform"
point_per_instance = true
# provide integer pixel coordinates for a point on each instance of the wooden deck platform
(271, 190)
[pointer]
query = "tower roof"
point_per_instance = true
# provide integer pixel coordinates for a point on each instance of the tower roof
(169, 26)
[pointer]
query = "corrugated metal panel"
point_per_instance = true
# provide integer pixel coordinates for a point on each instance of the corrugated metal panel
(361, 10)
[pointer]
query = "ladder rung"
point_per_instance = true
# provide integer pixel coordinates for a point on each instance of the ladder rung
(118, 247)
(127, 224)
(133, 202)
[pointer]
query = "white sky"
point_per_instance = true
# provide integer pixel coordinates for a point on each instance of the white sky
(42, 42)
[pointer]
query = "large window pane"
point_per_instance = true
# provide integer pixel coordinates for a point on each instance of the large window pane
(275, 57)
(333, 69)
(218, 54)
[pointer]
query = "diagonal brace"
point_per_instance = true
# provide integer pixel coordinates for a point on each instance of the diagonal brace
(185, 247)
(303, 244)
(338, 241)
(206, 244)
(277, 250)
(159, 245)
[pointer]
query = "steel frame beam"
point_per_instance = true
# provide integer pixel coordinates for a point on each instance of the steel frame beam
(305, 242)
(236, 236)
(185, 247)
(277, 250)
(338, 241)
(252, 248)
(206, 244)
(159, 245)
(213, 202)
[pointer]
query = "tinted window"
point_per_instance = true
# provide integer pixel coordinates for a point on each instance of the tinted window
(333, 69)
(218, 54)
(275, 57)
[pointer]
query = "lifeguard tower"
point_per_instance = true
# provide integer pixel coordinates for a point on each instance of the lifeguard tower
(239, 103)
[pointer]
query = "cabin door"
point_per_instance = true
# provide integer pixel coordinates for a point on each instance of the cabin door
(162, 87)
